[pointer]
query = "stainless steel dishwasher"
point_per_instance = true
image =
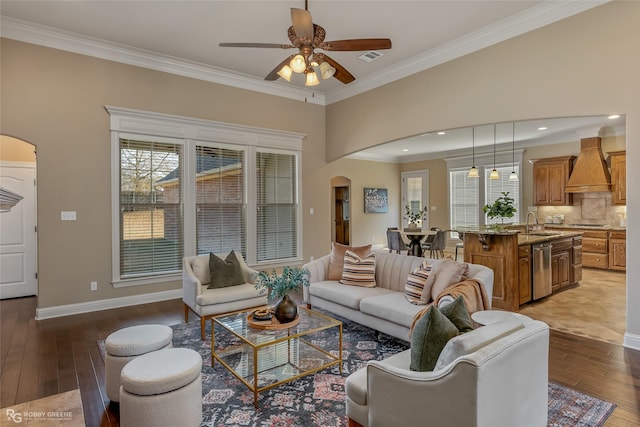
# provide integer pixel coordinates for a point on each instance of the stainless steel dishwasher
(541, 270)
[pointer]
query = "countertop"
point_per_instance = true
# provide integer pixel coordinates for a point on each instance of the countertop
(532, 239)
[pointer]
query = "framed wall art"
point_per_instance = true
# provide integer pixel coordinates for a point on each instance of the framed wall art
(376, 200)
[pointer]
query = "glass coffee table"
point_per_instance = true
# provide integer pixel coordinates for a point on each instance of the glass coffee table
(266, 358)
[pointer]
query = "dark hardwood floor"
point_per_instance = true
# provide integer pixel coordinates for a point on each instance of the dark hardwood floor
(42, 358)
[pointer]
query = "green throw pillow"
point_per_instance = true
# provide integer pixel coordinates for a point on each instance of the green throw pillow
(225, 272)
(430, 334)
(458, 314)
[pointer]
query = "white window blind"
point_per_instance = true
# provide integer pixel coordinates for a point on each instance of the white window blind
(276, 206)
(220, 198)
(151, 223)
(463, 199)
(495, 187)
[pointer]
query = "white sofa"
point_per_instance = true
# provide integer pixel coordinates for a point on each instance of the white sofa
(206, 302)
(383, 307)
(498, 378)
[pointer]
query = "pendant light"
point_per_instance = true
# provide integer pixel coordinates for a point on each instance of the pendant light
(473, 172)
(494, 173)
(514, 175)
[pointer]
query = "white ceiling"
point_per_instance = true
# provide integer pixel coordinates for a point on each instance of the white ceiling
(182, 36)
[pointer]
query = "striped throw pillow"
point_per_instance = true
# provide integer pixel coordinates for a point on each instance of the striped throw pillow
(359, 271)
(416, 281)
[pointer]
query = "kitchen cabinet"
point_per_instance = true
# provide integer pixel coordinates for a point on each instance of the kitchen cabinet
(550, 176)
(595, 249)
(524, 274)
(618, 177)
(576, 260)
(561, 264)
(618, 250)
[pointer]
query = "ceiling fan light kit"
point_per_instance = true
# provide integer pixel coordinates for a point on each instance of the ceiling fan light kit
(306, 37)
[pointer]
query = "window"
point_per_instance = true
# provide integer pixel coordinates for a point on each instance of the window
(467, 196)
(495, 188)
(176, 196)
(151, 239)
(277, 206)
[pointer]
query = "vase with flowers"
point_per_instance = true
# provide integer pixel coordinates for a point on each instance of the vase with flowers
(414, 215)
(279, 285)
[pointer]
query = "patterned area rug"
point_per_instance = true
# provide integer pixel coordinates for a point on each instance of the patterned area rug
(318, 399)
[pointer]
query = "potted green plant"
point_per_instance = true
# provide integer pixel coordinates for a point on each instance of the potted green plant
(414, 215)
(501, 208)
(279, 286)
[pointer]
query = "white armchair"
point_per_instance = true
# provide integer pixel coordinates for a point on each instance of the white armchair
(500, 383)
(205, 302)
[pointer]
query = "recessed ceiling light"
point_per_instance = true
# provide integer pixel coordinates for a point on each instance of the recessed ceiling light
(405, 149)
(441, 133)
(614, 116)
(542, 128)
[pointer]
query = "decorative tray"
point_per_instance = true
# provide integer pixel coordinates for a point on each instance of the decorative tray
(271, 323)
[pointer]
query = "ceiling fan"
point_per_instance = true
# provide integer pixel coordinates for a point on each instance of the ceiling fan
(307, 37)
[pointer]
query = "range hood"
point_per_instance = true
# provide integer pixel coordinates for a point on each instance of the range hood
(590, 173)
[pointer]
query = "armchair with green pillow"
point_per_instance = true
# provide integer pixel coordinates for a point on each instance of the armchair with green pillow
(216, 284)
(495, 375)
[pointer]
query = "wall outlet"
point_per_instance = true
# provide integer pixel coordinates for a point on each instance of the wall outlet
(68, 215)
(310, 258)
(94, 286)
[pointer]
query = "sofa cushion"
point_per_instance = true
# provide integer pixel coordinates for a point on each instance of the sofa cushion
(228, 294)
(416, 282)
(392, 307)
(359, 271)
(430, 335)
(224, 273)
(446, 273)
(458, 314)
(349, 296)
(336, 261)
(475, 340)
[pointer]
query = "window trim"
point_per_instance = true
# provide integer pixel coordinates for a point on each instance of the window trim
(191, 131)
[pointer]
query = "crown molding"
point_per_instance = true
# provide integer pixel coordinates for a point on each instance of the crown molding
(72, 42)
(535, 17)
(523, 22)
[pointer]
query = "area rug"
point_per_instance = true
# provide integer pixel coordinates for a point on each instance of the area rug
(318, 399)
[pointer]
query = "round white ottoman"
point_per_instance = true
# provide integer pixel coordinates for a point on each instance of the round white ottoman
(162, 388)
(126, 344)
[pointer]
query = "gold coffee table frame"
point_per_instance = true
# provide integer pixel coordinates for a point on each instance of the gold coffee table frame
(266, 358)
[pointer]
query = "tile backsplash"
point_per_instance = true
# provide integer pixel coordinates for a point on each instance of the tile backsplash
(588, 208)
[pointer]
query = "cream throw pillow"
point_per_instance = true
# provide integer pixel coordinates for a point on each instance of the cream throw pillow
(446, 273)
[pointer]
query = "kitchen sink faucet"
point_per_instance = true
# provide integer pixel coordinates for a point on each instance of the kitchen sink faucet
(526, 227)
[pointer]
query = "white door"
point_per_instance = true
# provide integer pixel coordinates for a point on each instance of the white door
(415, 194)
(18, 232)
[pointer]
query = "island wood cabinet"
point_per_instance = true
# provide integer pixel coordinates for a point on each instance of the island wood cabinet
(595, 248)
(524, 274)
(618, 177)
(618, 250)
(549, 179)
(561, 251)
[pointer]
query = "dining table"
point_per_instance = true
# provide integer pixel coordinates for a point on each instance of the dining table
(415, 238)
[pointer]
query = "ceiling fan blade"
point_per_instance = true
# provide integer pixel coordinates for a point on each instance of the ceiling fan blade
(273, 75)
(341, 73)
(356, 44)
(301, 20)
(267, 45)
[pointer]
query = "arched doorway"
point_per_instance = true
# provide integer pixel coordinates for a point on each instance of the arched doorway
(18, 241)
(341, 209)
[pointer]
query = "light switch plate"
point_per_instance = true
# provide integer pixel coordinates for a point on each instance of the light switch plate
(68, 215)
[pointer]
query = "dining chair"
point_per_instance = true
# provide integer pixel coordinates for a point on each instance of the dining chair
(436, 243)
(394, 240)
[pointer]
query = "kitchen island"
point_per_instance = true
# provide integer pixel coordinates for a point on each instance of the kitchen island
(511, 255)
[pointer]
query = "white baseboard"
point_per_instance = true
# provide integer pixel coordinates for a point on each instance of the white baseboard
(631, 341)
(105, 304)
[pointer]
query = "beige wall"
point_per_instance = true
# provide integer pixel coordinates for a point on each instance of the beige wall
(15, 150)
(583, 65)
(55, 100)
